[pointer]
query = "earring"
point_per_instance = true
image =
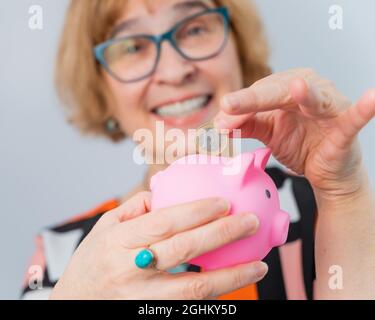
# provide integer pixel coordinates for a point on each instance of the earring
(112, 126)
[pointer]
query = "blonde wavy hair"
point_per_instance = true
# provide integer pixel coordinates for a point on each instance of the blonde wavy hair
(78, 76)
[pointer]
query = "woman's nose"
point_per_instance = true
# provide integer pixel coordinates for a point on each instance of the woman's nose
(173, 69)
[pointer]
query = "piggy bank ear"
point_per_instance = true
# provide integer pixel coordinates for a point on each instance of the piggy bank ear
(245, 162)
(262, 156)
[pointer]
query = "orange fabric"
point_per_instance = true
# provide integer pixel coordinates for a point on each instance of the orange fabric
(247, 293)
(106, 206)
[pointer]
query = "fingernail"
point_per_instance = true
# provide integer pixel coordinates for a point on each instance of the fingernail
(223, 205)
(231, 103)
(251, 222)
(261, 269)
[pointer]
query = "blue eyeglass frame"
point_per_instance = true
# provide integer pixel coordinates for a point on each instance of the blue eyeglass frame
(159, 39)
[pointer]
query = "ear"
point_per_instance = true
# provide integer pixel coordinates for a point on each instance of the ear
(262, 156)
(245, 162)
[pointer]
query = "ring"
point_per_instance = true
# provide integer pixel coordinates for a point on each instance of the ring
(145, 259)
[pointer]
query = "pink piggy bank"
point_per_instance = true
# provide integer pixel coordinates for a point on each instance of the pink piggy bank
(241, 180)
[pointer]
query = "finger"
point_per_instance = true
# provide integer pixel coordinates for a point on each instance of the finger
(296, 90)
(314, 102)
(165, 223)
(267, 94)
(258, 127)
(134, 207)
(230, 122)
(354, 119)
(254, 126)
(212, 284)
(187, 245)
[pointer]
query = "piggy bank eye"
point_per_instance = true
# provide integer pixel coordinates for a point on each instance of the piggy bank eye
(268, 194)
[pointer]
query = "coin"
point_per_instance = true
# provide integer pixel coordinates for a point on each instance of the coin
(210, 141)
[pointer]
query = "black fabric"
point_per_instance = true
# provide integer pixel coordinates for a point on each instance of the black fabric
(272, 286)
(306, 203)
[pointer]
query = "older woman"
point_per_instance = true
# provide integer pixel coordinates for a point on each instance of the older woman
(123, 66)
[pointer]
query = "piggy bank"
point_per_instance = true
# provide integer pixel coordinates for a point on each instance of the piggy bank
(241, 180)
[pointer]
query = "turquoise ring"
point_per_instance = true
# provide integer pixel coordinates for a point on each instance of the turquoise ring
(145, 259)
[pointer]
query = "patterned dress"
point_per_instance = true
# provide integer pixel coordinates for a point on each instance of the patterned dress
(291, 267)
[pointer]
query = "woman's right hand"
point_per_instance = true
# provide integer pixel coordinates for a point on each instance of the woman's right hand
(103, 265)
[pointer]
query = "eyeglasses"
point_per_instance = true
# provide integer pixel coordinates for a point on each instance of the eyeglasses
(198, 37)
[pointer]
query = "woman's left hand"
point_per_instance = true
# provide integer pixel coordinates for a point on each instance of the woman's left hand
(310, 127)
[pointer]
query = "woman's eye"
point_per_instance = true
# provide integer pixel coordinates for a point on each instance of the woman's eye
(132, 49)
(132, 46)
(194, 31)
(268, 194)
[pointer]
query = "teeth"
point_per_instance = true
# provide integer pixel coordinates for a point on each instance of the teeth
(182, 108)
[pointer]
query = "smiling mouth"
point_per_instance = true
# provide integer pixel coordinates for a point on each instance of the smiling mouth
(183, 108)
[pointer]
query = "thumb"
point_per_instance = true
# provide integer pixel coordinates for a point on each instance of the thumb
(353, 120)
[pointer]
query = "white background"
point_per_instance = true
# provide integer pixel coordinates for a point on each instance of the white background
(48, 172)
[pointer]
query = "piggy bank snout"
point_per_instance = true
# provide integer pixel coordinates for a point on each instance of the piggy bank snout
(279, 229)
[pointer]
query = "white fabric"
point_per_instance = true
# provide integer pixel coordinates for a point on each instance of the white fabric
(58, 249)
(288, 202)
(42, 294)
